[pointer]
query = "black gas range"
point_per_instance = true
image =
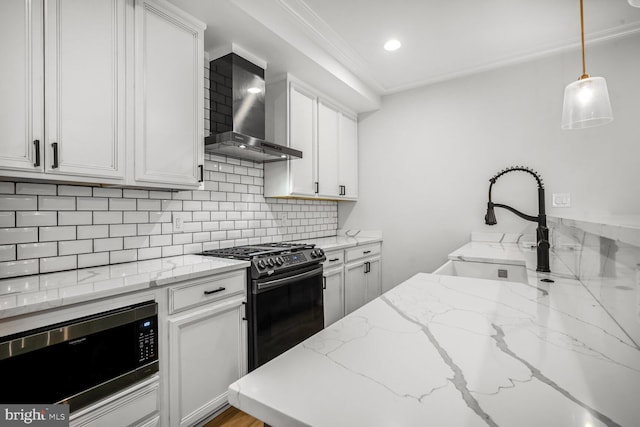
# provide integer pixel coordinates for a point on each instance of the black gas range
(272, 258)
(284, 295)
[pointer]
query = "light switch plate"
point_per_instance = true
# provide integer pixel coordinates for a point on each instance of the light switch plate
(178, 223)
(561, 200)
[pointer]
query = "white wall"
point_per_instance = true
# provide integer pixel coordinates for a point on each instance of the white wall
(426, 156)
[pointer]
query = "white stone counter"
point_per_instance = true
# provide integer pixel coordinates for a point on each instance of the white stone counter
(341, 242)
(454, 351)
(29, 294)
(623, 228)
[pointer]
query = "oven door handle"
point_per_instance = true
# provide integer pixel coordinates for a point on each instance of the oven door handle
(283, 281)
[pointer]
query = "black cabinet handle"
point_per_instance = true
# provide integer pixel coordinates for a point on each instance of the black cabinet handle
(366, 252)
(317, 184)
(334, 259)
(343, 190)
(367, 267)
(36, 143)
(324, 282)
(215, 291)
(201, 173)
(54, 145)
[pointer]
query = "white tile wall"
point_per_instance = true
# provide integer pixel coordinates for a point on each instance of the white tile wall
(67, 226)
(58, 227)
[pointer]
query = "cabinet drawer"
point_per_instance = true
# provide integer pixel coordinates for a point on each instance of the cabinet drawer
(334, 258)
(205, 290)
(362, 251)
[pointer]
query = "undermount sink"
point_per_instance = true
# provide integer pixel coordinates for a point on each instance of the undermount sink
(484, 270)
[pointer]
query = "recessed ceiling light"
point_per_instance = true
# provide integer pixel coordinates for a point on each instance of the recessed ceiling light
(392, 45)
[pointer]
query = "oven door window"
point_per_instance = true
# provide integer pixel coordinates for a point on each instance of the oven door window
(286, 315)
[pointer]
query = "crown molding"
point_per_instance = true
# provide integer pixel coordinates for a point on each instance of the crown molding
(323, 34)
(329, 40)
(622, 31)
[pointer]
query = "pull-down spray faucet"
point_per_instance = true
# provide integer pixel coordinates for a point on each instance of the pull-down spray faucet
(542, 232)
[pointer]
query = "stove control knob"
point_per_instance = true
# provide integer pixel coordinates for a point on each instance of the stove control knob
(261, 264)
(313, 253)
(320, 252)
(270, 262)
(279, 260)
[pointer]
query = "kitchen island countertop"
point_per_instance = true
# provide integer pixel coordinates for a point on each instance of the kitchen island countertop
(441, 350)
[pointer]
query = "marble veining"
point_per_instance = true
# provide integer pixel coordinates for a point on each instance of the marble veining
(29, 294)
(344, 241)
(446, 350)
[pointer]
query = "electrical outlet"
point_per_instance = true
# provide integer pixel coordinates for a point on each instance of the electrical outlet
(178, 223)
(561, 200)
(283, 219)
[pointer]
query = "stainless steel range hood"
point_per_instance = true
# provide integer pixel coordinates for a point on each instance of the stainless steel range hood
(237, 113)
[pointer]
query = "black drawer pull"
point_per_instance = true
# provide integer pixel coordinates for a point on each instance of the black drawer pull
(54, 145)
(215, 291)
(366, 252)
(201, 167)
(334, 259)
(37, 150)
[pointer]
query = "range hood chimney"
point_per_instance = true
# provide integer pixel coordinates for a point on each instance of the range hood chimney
(237, 105)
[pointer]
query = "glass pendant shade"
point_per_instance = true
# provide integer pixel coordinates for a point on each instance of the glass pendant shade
(586, 104)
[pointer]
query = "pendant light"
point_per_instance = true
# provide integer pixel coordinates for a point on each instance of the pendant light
(586, 101)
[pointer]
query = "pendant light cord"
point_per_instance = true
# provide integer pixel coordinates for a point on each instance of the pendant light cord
(584, 65)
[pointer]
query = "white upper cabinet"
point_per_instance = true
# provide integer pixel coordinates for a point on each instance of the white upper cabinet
(85, 87)
(80, 130)
(328, 139)
(348, 157)
(169, 108)
(21, 85)
(299, 117)
(302, 128)
(101, 91)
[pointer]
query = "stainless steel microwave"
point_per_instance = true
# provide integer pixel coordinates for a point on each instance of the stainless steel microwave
(82, 361)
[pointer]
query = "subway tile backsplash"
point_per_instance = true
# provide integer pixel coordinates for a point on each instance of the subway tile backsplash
(46, 228)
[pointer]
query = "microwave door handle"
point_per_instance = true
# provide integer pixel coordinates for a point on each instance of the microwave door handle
(283, 281)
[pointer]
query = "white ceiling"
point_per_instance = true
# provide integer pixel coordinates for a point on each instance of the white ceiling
(337, 44)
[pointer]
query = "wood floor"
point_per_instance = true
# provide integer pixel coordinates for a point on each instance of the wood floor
(234, 417)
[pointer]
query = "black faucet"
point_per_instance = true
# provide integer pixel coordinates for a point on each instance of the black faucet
(542, 231)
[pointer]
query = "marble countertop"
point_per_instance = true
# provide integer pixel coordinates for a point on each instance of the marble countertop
(29, 294)
(624, 228)
(341, 242)
(444, 350)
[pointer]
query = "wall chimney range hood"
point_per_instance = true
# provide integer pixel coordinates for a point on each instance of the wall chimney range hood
(237, 115)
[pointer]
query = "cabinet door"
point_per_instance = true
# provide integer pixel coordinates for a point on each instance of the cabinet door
(85, 87)
(21, 85)
(328, 136)
(207, 352)
(348, 156)
(354, 287)
(373, 280)
(302, 136)
(169, 137)
(333, 295)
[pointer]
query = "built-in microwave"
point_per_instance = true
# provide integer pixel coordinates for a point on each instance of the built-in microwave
(81, 361)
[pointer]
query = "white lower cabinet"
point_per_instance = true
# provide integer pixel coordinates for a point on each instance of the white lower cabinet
(136, 406)
(207, 349)
(352, 278)
(333, 295)
(363, 276)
